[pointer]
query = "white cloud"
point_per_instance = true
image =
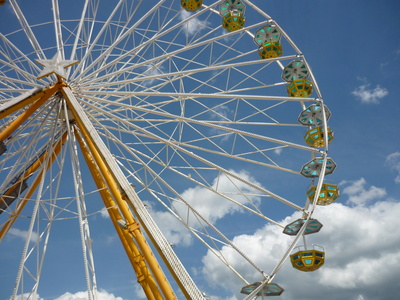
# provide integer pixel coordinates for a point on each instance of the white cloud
(139, 293)
(104, 213)
(208, 204)
(213, 206)
(221, 113)
(23, 234)
(393, 161)
(193, 25)
(175, 232)
(27, 296)
(101, 295)
(358, 194)
(151, 70)
(370, 95)
(362, 248)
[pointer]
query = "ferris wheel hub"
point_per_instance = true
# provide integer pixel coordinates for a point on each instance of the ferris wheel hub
(56, 66)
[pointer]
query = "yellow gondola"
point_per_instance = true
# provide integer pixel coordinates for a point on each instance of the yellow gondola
(308, 260)
(191, 5)
(328, 194)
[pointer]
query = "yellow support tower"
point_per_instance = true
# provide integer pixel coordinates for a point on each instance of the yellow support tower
(127, 212)
(144, 277)
(125, 217)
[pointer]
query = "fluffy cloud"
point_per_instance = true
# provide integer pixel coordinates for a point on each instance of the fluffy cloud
(15, 232)
(27, 296)
(151, 70)
(393, 161)
(101, 295)
(370, 95)
(174, 230)
(208, 204)
(358, 194)
(362, 249)
(193, 25)
(278, 151)
(211, 205)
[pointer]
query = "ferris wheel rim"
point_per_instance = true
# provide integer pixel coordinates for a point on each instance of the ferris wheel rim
(87, 92)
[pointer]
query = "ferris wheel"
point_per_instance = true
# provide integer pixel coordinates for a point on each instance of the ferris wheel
(181, 123)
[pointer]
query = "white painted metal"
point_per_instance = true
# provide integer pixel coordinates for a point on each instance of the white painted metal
(163, 102)
(146, 220)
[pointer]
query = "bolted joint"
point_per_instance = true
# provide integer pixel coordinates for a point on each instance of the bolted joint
(138, 258)
(133, 226)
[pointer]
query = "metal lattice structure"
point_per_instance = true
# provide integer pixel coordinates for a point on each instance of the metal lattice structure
(157, 105)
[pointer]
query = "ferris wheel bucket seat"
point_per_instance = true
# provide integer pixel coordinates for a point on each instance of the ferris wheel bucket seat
(328, 194)
(308, 260)
(191, 5)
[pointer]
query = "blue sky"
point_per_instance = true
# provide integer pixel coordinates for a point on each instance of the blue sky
(353, 48)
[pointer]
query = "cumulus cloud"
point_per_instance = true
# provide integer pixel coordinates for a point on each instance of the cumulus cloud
(393, 161)
(151, 70)
(362, 254)
(15, 232)
(175, 232)
(210, 205)
(101, 295)
(213, 206)
(278, 151)
(359, 194)
(369, 95)
(27, 296)
(193, 25)
(104, 213)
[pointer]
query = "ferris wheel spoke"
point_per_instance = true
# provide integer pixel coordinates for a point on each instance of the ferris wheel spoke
(181, 74)
(179, 116)
(204, 223)
(151, 61)
(30, 143)
(27, 29)
(13, 55)
(98, 36)
(86, 242)
(214, 126)
(252, 207)
(224, 153)
(144, 44)
(168, 142)
(176, 97)
(79, 32)
(200, 235)
(24, 74)
(39, 230)
(57, 28)
(115, 43)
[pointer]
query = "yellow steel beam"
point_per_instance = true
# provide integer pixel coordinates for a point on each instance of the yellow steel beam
(110, 180)
(135, 257)
(165, 260)
(39, 97)
(57, 146)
